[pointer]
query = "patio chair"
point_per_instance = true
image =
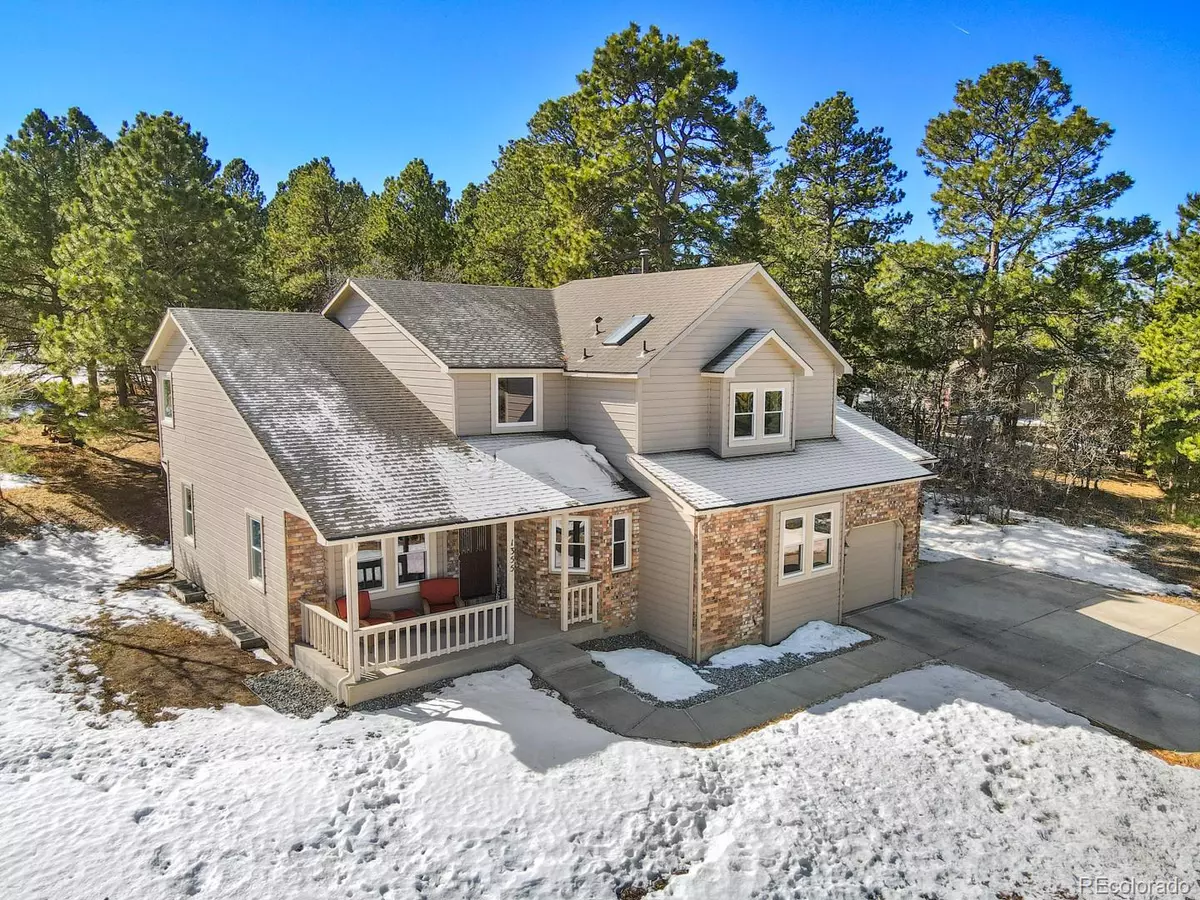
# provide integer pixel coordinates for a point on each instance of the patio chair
(439, 595)
(368, 616)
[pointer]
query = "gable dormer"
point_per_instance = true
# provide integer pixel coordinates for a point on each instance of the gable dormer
(752, 390)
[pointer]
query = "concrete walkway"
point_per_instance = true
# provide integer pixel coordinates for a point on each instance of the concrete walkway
(1124, 660)
(597, 693)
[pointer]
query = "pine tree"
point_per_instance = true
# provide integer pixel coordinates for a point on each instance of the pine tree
(1020, 196)
(153, 229)
(408, 230)
(831, 206)
(314, 233)
(1170, 349)
(42, 170)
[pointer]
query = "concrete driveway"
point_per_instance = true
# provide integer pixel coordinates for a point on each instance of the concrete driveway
(1120, 659)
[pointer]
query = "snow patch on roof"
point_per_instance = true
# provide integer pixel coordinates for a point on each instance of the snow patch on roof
(578, 470)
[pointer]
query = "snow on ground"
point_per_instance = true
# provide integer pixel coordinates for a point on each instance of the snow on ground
(10, 482)
(1085, 552)
(935, 781)
(655, 673)
(811, 639)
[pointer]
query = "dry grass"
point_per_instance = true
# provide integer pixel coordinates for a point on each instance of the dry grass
(113, 481)
(1189, 760)
(152, 667)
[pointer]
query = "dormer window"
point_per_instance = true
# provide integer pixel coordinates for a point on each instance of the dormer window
(758, 413)
(516, 402)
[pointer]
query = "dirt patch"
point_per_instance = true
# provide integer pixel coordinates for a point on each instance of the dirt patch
(151, 667)
(111, 482)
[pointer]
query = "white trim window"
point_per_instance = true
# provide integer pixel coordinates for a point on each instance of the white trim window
(412, 559)
(166, 390)
(807, 542)
(578, 532)
(189, 514)
(369, 564)
(255, 542)
(516, 401)
(622, 543)
(758, 413)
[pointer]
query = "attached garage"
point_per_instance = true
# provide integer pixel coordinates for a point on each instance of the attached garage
(872, 564)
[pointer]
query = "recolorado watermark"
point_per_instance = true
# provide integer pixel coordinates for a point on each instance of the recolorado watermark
(1109, 886)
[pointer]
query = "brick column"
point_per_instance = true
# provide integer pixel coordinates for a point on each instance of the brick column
(307, 578)
(733, 548)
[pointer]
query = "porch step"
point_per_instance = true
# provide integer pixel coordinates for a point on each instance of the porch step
(242, 635)
(579, 682)
(185, 592)
(549, 658)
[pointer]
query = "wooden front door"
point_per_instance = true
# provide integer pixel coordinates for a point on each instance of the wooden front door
(475, 562)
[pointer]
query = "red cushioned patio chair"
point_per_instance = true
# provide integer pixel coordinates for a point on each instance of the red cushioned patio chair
(439, 595)
(368, 616)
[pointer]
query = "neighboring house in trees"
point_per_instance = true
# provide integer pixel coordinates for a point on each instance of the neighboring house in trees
(430, 445)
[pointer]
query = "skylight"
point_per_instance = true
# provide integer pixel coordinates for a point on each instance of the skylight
(626, 330)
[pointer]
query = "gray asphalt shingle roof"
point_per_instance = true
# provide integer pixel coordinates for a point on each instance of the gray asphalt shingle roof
(361, 453)
(853, 459)
(738, 347)
(470, 326)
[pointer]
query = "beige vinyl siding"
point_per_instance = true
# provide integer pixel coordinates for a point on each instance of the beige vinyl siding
(769, 364)
(792, 604)
(604, 412)
(473, 400)
(212, 448)
(665, 569)
(400, 354)
(675, 397)
(554, 401)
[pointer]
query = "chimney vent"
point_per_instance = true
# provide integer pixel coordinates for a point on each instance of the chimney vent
(644, 253)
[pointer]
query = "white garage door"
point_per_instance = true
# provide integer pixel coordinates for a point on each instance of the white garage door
(873, 554)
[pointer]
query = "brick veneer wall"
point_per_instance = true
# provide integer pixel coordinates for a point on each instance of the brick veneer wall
(537, 588)
(881, 504)
(733, 573)
(306, 574)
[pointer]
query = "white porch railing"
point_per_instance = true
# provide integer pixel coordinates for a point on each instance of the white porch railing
(580, 604)
(324, 631)
(411, 640)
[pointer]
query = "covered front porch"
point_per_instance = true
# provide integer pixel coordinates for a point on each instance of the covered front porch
(444, 602)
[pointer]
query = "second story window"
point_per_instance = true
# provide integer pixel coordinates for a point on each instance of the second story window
(758, 413)
(515, 401)
(168, 399)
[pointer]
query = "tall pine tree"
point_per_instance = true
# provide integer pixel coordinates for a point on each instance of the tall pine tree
(314, 233)
(408, 230)
(153, 229)
(830, 208)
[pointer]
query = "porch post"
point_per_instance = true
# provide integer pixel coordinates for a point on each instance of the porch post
(510, 593)
(564, 575)
(350, 582)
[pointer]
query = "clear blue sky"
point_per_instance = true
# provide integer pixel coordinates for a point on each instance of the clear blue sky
(373, 85)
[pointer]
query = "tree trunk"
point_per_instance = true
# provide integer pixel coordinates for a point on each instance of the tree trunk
(121, 377)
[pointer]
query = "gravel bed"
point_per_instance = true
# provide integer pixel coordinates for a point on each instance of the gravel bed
(291, 692)
(724, 681)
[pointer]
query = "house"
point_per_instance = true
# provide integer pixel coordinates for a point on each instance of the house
(434, 446)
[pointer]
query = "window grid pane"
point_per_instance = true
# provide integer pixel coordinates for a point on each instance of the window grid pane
(411, 556)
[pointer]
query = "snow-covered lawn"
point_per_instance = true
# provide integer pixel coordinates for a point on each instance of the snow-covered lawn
(936, 781)
(654, 673)
(811, 639)
(1086, 552)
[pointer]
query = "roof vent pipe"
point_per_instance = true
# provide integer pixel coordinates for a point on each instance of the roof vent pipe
(599, 319)
(644, 253)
